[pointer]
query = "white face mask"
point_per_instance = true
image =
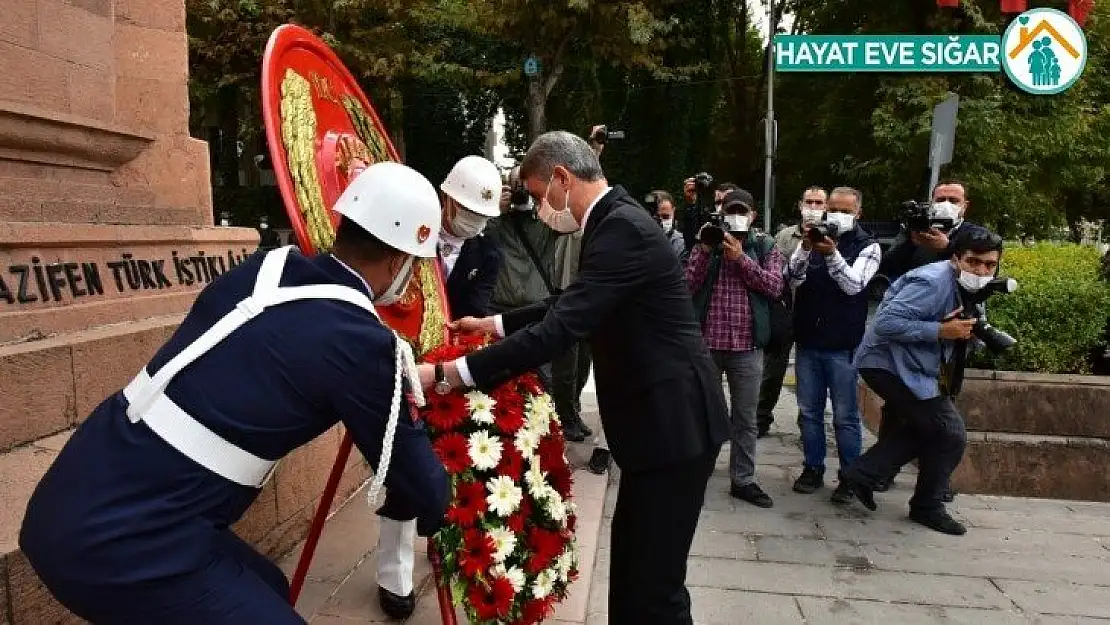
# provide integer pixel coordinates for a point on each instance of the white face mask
(561, 221)
(972, 282)
(737, 223)
(466, 224)
(812, 215)
(946, 210)
(843, 221)
(399, 285)
(667, 223)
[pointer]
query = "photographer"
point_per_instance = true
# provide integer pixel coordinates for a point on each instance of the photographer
(829, 272)
(913, 249)
(702, 199)
(664, 212)
(913, 358)
(733, 273)
(776, 358)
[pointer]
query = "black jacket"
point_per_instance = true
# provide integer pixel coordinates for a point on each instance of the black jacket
(659, 392)
(470, 285)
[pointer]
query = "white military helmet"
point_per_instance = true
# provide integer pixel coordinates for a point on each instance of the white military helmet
(396, 204)
(475, 183)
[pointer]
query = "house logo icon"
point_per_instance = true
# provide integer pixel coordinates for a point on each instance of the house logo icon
(1044, 51)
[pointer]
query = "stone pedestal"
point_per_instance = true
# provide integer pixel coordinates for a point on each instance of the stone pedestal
(106, 237)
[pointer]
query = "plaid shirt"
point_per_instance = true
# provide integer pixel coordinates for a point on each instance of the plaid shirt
(728, 323)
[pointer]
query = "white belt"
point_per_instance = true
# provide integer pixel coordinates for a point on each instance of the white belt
(190, 437)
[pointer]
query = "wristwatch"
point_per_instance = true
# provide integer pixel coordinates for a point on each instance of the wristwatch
(442, 387)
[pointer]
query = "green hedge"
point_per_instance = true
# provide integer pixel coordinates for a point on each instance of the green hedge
(1058, 314)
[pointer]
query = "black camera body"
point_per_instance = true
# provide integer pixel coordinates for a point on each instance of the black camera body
(918, 217)
(817, 232)
(713, 233)
(518, 195)
(602, 135)
(996, 340)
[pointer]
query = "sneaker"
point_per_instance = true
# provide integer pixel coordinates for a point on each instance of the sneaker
(752, 494)
(810, 481)
(940, 521)
(843, 494)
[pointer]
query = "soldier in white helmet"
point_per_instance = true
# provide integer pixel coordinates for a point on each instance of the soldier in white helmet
(131, 525)
(471, 262)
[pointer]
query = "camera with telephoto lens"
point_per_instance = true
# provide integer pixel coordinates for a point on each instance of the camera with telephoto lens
(817, 232)
(918, 217)
(519, 195)
(713, 232)
(996, 340)
(602, 135)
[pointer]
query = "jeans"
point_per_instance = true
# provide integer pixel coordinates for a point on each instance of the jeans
(744, 371)
(569, 374)
(775, 363)
(822, 373)
(931, 430)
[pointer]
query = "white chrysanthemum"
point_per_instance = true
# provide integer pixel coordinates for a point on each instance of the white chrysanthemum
(483, 417)
(515, 575)
(556, 507)
(526, 441)
(540, 412)
(544, 584)
(504, 495)
(484, 450)
(564, 563)
(504, 541)
(535, 478)
(477, 401)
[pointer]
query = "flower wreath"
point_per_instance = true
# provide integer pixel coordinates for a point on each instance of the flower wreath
(508, 549)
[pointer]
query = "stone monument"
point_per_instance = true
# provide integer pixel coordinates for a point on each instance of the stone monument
(106, 236)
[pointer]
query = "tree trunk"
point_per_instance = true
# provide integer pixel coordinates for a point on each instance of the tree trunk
(536, 104)
(397, 120)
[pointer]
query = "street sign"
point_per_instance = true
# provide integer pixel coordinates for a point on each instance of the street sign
(943, 139)
(531, 66)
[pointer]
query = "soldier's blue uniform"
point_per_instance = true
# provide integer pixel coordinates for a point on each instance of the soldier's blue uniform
(126, 527)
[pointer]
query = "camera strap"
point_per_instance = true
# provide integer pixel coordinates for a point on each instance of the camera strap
(534, 256)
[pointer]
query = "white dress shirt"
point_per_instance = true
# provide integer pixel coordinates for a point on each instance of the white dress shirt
(450, 246)
(499, 326)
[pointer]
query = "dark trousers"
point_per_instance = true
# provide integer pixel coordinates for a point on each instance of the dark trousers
(776, 360)
(239, 587)
(930, 430)
(653, 527)
(569, 374)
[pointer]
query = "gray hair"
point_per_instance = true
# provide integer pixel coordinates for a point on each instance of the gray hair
(561, 148)
(849, 191)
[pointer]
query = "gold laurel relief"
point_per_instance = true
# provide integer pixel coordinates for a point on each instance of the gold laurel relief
(433, 327)
(364, 126)
(298, 133)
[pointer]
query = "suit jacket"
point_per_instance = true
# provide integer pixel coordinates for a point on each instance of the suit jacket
(470, 285)
(659, 392)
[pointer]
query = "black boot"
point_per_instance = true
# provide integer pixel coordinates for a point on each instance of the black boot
(395, 606)
(938, 520)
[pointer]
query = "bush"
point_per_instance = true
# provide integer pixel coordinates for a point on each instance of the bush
(1059, 313)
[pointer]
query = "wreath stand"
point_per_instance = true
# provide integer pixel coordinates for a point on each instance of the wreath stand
(443, 590)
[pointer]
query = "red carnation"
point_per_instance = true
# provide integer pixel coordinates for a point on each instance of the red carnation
(446, 412)
(560, 478)
(477, 552)
(509, 418)
(545, 546)
(512, 463)
(453, 452)
(551, 451)
(516, 522)
(536, 611)
(530, 383)
(470, 503)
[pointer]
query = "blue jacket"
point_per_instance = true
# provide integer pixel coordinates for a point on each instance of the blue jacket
(904, 335)
(120, 506)
(470, 285)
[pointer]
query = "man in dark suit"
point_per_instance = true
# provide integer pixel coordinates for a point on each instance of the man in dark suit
(662, 404)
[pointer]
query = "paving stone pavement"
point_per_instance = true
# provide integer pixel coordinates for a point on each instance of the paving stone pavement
(1023, 561)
